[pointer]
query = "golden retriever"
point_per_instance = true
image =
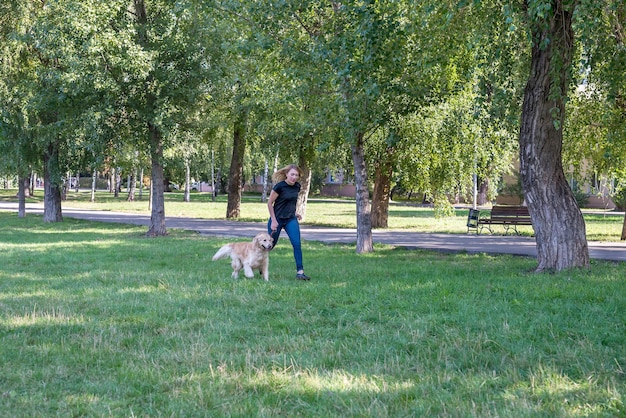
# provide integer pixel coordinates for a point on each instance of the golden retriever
(248, 255)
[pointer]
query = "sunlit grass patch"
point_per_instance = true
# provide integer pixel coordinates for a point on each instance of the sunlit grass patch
(97, 320)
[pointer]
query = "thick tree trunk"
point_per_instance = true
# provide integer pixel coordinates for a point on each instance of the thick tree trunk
(236, 169)
(557, 220)
(382, 190)
(52, 189)
(364, 243)
(157, 217)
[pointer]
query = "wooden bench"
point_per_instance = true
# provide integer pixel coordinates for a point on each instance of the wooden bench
(508, 216)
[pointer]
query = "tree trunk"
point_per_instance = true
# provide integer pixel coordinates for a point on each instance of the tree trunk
(187, 197)
(157, 217)
(364, 242)
(22, 191)
(132, 185)
(33, 183)
(266, 182)
(482, 196)
(52, 189)
(305, 182)
(557, 220)
(114, 182)
(382, 190)
(236, 168)
(94, 178)
(141, 184)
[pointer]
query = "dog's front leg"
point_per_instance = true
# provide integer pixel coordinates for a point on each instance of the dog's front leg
(247, 270)
(266, 272)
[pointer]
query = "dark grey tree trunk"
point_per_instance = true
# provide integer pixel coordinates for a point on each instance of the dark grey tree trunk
(52, 187)
(22, 192)
(383, 170)
(364, 243)
(157, 199)
(236, 168)
(557, 220)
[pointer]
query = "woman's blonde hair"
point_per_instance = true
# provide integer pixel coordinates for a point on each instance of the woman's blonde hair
(281, 174)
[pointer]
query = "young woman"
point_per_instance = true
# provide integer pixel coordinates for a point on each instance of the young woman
(282, 207)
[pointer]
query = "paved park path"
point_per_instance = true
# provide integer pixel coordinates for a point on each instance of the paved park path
(471, 243)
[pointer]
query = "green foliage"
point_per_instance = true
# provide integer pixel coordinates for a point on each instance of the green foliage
(595, 138)
(446, 76)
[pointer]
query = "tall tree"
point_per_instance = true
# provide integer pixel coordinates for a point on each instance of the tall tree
(235, 178)
(48, 61)
(150, 110)
(557, 219)
(373, 58)
(163, 77)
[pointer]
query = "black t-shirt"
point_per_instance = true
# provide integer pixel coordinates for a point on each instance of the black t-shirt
(285, 203)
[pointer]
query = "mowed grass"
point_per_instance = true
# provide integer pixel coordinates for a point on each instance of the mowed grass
(97, 320)
(600, 226)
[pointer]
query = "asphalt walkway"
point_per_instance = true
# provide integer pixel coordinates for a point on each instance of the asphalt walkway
(470, 243)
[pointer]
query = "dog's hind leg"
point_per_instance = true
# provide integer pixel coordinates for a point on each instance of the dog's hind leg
(236, 265)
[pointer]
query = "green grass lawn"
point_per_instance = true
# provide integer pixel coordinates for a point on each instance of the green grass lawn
(320, 211)
(97, 320)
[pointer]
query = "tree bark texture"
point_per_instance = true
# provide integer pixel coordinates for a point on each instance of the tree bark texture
(157, 198)
(383, 171)
(52, 188)
(364, 243)
(557, 220)
(236, 169)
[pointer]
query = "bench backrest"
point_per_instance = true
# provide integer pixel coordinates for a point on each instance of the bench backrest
(510, 211)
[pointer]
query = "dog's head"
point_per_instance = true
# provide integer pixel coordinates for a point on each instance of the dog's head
(265, 241)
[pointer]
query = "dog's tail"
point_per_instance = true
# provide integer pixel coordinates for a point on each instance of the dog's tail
(222, 252)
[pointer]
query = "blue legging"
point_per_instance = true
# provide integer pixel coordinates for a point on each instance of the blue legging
(292, 227)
